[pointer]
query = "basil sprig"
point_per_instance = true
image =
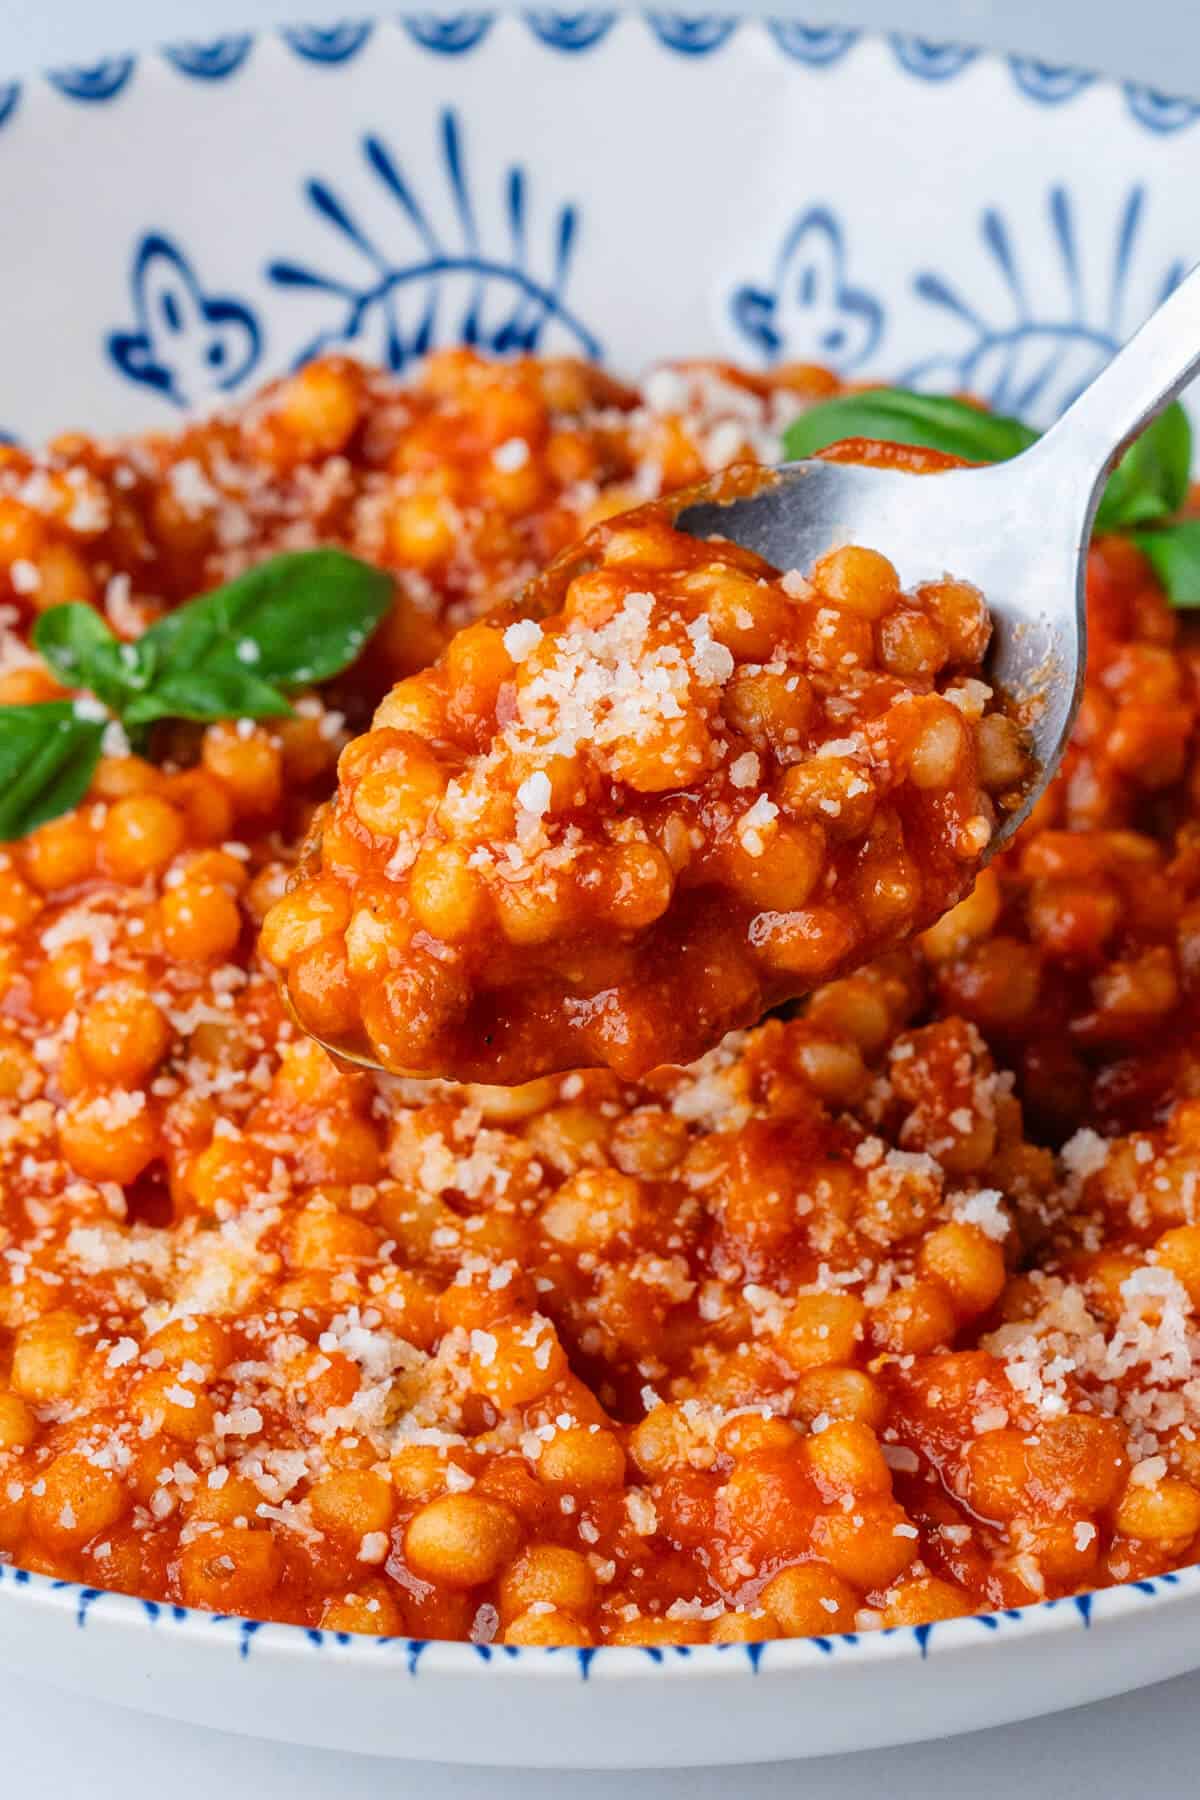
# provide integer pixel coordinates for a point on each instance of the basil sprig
(234, 653)
(1151, 480)
(47, 754)
(1148, 485)
(898, 416)
(1174, 553)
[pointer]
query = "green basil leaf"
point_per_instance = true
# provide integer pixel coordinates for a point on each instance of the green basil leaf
(1151, 480)
(84, 653)
(47, 755)
(206, 694)
(1149, 483)
(901, 417)
(1174, 552)
(233, 653)
(295, 619)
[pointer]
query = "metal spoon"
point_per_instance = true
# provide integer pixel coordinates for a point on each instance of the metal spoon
(1019, 530)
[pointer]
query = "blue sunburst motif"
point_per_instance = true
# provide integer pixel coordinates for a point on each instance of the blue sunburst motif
(1045, 350)
(438, 287)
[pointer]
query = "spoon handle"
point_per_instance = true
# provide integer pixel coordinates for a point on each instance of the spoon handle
(1144, 376)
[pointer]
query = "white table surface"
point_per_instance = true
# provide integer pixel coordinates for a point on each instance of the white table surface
(59, 1746)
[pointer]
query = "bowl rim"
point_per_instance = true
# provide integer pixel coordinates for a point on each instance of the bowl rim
(229, 1634)
(214, 62)
(696, 36)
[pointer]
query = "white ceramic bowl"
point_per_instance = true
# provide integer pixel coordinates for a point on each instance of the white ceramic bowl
(180, 226)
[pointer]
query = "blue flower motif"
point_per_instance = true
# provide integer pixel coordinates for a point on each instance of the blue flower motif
(1036, 360)
(438, 290)
(187, 345)
(810, 312)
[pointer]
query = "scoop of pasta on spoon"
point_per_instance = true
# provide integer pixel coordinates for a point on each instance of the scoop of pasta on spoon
(732, 745)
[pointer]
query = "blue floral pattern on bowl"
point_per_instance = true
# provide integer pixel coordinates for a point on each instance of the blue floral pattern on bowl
(1032, 358)
(809, 312)
(186, 344)
(240, 1633)
(424, 256)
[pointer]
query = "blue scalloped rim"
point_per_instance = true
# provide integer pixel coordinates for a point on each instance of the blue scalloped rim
(694, 35)
(916, 1642)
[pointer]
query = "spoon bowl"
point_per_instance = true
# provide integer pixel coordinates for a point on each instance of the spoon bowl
(1019, 530)
(982, 525)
